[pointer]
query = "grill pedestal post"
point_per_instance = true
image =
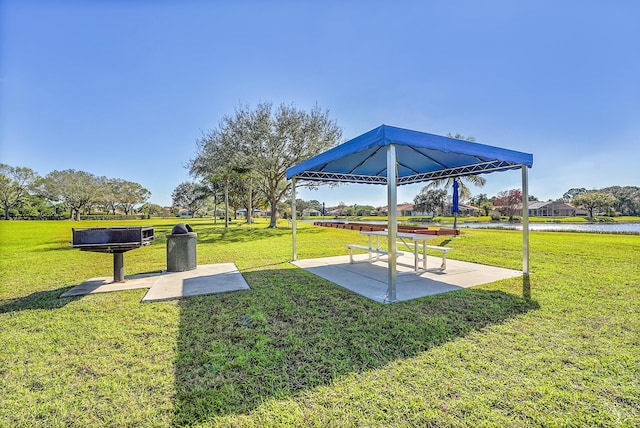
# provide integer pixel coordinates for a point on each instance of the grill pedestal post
(118, 267)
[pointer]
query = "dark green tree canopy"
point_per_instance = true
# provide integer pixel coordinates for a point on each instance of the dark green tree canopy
(190, 195)
(430, 200)
(592, 201)
(15, 183)
(77, 189)
(572, 193)
(260, 144)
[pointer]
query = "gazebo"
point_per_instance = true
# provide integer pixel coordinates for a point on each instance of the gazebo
(394, 156)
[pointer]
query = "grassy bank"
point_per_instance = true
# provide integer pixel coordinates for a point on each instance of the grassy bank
(559, 347)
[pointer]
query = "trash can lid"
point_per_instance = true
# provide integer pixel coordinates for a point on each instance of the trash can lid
(181, 229)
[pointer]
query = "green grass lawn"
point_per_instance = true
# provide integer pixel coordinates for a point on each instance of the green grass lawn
(557, 348)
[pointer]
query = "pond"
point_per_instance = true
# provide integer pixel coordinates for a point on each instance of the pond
(633, 228)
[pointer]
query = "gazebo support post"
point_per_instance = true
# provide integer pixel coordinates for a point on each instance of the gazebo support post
(392, 222)
(525, 221)
(294, 217)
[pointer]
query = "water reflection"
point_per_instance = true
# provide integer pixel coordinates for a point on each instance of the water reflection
(563, 227)
(633, 228)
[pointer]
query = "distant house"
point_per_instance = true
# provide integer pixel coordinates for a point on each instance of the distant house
(243, 212)
(311, 213)
(405, 210)
(385, 211)
(549, 209)
(409, 211)
(338, 211)
(217, 212)
(401, 210)
(185, 214)
(464, 210)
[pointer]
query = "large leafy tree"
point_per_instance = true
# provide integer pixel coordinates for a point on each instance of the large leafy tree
(592, 201)
(430, 200)
(35, 205)
(152, 209)
(192, 196)
(77, 189)
(572, 193)
(263, 142)
(628, 198)
(111, 194)
(302, 205)
(15, 183)
(132, 194)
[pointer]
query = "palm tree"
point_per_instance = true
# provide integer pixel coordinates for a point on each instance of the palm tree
(463, 190)
(464, 193)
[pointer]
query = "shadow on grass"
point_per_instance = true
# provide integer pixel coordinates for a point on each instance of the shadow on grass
(526, 286)
(246, 234)
(295, 331)
(49, 299)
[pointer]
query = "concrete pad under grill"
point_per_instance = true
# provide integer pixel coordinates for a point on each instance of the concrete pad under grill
(106, 284)
(205, 279)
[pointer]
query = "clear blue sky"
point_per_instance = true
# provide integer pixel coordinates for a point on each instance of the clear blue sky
(125, 88)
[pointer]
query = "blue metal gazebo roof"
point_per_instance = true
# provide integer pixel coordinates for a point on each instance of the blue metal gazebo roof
(420, 157)
(396, 156)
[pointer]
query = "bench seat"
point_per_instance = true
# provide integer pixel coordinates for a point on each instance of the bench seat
(370, 250)
(444, 250)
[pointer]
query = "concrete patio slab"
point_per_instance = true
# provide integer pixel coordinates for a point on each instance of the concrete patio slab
(370, 279)
(106, 285)
(205, 279)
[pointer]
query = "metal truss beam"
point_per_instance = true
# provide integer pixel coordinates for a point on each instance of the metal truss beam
(337, 177)
(479, 168)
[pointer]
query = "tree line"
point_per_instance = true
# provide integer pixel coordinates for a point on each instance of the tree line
(613, 200)
(23, 193)
(623, 200)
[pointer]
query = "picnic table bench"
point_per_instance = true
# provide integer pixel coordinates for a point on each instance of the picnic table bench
(413, 241)
(370, 249)
(444, 250)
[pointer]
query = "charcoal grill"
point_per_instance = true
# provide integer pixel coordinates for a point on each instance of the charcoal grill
(114, 240)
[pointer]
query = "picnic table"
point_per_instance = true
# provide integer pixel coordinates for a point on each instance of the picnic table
(414, 241)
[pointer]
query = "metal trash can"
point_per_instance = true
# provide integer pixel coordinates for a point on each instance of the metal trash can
(181, 248)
